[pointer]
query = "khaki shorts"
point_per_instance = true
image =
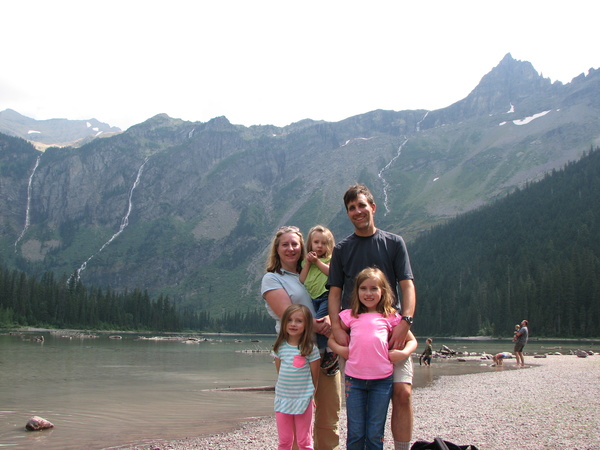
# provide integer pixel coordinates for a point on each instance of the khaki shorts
(403, 371)
(519, 348)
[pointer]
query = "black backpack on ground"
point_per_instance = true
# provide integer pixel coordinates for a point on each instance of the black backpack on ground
(440, 444)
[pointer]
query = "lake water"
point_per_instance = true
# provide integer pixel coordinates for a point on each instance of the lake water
(102, 392)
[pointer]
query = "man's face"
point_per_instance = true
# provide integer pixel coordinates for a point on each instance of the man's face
(360, 212)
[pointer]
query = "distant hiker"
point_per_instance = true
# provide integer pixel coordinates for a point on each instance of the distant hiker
(520, 340)
(499, 357)
(297, 362)
(426, 355)
(315, 270)
(280, 288)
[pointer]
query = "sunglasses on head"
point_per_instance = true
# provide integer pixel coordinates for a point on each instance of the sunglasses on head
(287, 229)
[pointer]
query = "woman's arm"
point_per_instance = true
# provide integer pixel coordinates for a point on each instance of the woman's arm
(278, 300)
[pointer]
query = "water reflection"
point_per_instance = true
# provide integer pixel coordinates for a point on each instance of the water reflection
(102, 392)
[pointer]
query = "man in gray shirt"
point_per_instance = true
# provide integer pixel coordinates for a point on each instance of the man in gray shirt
(371, 247)
(520, 341)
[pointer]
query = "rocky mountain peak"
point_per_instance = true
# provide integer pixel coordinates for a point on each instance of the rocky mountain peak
(510, 80)
(511, 85)
(53, 132)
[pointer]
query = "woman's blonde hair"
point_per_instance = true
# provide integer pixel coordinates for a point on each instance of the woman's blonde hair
(327, 234)
(273, 260)
(386, 303)
(306, 343)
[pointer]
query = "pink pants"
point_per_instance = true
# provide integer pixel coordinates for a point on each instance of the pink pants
(301, 423)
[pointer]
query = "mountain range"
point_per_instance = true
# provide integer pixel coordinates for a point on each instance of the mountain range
(54, 132)
(188, 209)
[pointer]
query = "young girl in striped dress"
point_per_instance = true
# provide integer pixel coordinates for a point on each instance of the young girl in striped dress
(297, 361)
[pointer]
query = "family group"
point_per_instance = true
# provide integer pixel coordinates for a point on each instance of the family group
(359, 298)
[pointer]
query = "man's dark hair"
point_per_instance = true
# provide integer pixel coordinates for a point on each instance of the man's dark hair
(354, 191)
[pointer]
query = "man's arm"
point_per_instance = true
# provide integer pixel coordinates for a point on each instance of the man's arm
(335, 305)
(341, 350)
(518, 335)
(409, 303)
(409, 347)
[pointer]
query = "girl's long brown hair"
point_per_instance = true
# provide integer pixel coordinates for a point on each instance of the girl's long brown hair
(385, 305)
(306, 342)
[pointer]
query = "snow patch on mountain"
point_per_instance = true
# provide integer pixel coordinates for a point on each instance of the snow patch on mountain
(527, 120)
(356, 139)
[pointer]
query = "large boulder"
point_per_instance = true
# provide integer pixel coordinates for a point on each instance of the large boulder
(36, 423)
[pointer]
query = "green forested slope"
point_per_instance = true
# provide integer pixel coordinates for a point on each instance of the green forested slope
(533, 255)
(48, 302)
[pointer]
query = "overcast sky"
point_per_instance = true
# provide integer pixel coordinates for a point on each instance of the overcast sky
(274, 62)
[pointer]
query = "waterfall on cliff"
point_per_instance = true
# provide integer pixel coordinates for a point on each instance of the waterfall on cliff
(124, 222)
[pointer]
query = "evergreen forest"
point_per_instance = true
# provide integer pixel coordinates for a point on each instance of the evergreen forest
(51, 303)
(534, 255)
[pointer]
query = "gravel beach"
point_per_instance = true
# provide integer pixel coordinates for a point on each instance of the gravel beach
(553, 403)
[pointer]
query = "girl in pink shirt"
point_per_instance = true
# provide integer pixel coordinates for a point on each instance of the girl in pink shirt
(369, 366)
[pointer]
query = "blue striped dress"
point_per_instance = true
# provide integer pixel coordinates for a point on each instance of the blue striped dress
(294, 389)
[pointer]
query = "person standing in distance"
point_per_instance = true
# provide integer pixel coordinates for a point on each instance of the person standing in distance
(520, 341)
(370, 247)
(426, 355)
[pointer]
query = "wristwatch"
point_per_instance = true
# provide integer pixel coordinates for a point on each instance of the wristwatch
(409, 319)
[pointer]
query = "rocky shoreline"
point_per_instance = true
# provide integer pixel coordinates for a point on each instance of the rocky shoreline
(550, 404)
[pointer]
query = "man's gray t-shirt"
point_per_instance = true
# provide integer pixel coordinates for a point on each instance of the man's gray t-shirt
(522, 336)
(384, 250)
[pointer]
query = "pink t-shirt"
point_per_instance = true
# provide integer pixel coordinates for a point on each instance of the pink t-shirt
(368, 351)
